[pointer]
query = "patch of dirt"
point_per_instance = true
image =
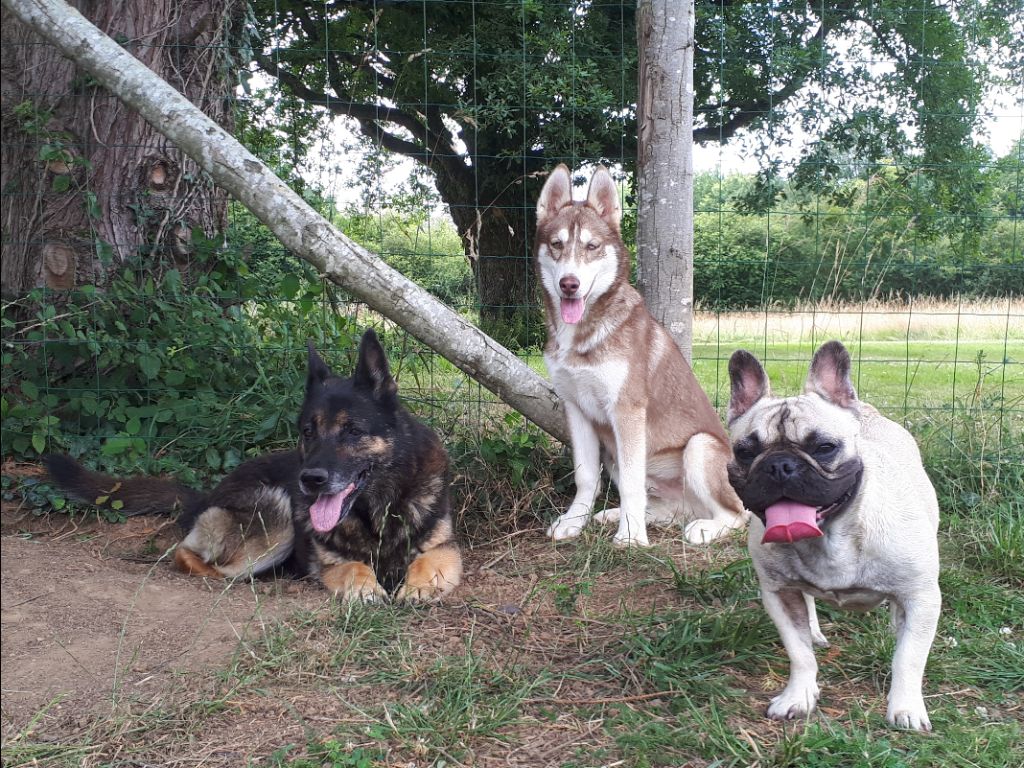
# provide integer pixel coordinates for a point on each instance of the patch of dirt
(91, 611)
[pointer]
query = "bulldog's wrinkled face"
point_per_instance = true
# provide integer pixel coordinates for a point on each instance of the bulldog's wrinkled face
(795, 453)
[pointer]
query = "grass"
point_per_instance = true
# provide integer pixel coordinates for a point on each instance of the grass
(585, 655)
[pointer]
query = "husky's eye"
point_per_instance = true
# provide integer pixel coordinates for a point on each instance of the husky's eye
(556, 244)
(592, 246)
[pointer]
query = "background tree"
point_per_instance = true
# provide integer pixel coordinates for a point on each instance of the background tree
(488, 96)
(87, 183)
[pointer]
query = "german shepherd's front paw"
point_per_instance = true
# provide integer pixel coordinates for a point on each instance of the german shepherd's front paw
(353, 581)
(432, 575)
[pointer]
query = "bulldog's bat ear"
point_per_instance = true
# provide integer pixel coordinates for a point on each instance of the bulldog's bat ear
(557, 193)
(317, 370)
(829, 375)
(603, 197)
(749, 383)
(372, 371)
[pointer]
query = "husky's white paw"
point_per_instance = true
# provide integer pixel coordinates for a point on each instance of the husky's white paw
(703, 530)
(611, 515)
(795, 701)
(625, 541)
(567, 527)
(818, 638)
(910, 715)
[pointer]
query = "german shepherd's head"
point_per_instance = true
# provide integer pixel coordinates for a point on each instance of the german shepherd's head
(580, 253)
(347, 428)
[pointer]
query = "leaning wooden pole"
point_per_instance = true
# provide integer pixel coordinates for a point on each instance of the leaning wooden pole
(296, 224)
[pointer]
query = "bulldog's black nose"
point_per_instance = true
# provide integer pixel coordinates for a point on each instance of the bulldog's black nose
(569, 285)
(313, 479)
(781, 468)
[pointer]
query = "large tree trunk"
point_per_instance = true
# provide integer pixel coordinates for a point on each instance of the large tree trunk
(664, 233)
(87, 183)
(291, 218)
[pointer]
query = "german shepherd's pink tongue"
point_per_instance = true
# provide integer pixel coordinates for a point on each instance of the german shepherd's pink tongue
(572, 310)
(788, 521)
(326, 510)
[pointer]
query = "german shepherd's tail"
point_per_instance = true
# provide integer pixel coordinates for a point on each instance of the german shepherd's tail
(137, 495)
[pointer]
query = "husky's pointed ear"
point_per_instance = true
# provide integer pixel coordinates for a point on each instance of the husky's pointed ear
(372, 370)
(317, 370)
(557, 193)
(603, 197)
(749, 383)
(829, 375)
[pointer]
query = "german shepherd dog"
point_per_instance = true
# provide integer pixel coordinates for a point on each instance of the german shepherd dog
(362, 502)
(630, 397)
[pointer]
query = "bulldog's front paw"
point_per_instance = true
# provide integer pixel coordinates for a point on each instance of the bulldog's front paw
(794, 702)
(703, 530)
(568, 526)
(909, 715)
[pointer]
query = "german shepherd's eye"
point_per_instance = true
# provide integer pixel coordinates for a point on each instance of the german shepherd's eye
(351, 430)
(308, 431)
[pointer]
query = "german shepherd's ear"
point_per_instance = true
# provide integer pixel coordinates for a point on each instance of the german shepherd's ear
(603, 197)
(557, 193)
(749, 383)
(829, 375)
(372, 370)
(317, 370)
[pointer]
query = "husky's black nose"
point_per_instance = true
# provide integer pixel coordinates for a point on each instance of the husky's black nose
(313, 480)
(569, 285)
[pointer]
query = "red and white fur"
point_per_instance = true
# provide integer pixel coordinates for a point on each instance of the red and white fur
(631, 399)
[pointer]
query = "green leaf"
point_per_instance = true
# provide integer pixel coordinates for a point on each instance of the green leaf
(149, 365)
(61, 183)
(133, 426)
(213, 458)
(30, 390)
(39, 442)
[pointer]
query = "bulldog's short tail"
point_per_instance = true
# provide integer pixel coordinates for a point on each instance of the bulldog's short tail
(137, 495)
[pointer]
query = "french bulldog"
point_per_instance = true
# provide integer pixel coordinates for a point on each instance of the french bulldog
(842, 512)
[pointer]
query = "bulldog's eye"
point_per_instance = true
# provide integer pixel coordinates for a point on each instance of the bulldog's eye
(824, 450)
(744, 454)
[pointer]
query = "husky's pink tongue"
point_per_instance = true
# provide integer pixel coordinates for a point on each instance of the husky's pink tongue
(326, 510)
(788, 521)
(572, 310)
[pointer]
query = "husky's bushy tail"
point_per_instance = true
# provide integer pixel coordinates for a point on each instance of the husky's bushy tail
(139, 495)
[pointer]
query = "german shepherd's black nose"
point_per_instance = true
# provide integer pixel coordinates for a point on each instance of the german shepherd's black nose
(313, 479)
(781, 468)
(569, 285)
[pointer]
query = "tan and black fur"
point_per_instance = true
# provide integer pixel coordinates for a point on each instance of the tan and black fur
(386, 473)
(631, 400)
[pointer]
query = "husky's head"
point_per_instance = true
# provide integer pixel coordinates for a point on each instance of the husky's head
(580, 254)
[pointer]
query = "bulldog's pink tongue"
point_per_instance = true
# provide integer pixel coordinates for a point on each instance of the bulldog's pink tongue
(572, 310)
(326, 510)
(788, 521)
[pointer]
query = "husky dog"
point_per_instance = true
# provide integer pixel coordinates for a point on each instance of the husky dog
(362, 502)
(630, 397)
(843, 512)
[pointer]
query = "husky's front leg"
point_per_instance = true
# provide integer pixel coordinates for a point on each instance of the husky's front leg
(586, 457)
(631, 444)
